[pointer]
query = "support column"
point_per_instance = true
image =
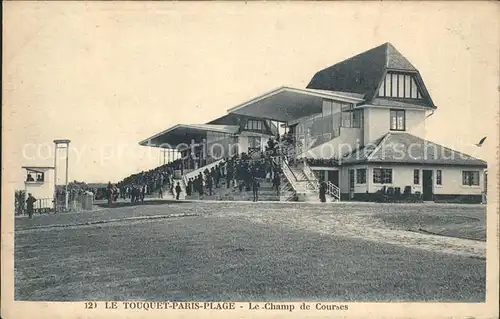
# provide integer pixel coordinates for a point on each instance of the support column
(55, 177)
(66, 186)
(57, 144)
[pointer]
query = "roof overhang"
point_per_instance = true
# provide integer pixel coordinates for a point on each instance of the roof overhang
(286, 104)
(37, 169)
(181, 135)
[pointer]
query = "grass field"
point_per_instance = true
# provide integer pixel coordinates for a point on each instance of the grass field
(254, 251)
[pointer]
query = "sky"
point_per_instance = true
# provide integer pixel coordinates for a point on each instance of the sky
(107, 75)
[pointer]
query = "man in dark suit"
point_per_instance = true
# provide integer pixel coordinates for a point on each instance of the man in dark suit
(255, 189)
(29, 205)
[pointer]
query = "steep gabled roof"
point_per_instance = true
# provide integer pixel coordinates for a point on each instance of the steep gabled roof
(405, 148)
(395, 60)
(363, 73)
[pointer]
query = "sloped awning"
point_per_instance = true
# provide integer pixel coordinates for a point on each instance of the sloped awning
(287, 104)
(182, 134)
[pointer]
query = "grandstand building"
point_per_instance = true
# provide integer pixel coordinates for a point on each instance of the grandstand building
(358, 126)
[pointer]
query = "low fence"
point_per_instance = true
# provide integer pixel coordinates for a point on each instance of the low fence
(46, 205)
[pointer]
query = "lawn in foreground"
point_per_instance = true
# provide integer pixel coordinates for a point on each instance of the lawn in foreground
(459, 221)
(229, 258)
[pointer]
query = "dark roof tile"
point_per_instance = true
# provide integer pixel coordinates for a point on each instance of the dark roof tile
(363, 73)
(405, 148)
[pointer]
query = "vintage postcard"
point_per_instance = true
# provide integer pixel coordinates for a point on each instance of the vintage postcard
(250, 160)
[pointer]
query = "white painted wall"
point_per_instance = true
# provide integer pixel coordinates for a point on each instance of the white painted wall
(344, 179)
(415, 122)
(42, 190)
(243, 144)
(403, 176)
(452, 182)
(377, 123)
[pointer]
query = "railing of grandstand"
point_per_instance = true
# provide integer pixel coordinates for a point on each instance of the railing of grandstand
(290, 176)
(311, 177)
(333, 190)
(326, 124)
(287, 189)
(286, 166)
(185, 179)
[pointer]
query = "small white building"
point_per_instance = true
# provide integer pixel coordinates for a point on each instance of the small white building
(39, 182)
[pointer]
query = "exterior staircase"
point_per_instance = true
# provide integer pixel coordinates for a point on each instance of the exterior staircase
(298, 183)
(287, 193)
(305, 183)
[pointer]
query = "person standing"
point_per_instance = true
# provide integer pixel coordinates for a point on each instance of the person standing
(217, 176)
(210, 184)
(200, 185)
(134, 194)
(189, 188)
(255, 189)
(29, 205)
(229, 177)
(195, 185)
(322, 192)
(110, 193)
(178, 191)
(160, 192)
(277, 183)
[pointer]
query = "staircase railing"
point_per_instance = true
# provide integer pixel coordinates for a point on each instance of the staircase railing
(285, 168)
(333, 190)
(185, 180)
(289, 174)
(311, 177)
(287, 190)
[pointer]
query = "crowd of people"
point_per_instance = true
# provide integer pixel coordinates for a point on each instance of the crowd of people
(240, 171)
(135, 187)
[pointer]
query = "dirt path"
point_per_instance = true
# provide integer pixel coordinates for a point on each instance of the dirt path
(363, 226)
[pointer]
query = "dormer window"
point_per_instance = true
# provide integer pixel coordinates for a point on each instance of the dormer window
(399, 85)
